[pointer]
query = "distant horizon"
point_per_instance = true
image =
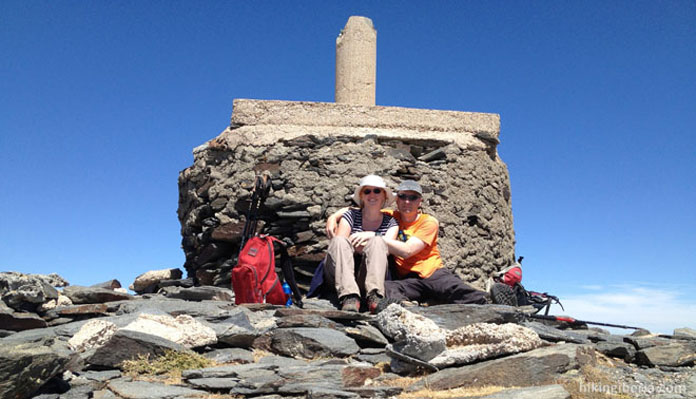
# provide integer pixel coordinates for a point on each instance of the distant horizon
(104, 103)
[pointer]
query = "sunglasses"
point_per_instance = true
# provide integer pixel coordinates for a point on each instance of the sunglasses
(408, 197)
(369, 191)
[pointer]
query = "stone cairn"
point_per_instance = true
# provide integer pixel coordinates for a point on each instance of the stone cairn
(315, 154)
(71, 342)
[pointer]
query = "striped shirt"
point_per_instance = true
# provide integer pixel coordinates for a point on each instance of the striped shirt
(354, 219)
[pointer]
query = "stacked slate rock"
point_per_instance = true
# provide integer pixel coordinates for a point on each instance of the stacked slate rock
(316, 352)
(315, 155)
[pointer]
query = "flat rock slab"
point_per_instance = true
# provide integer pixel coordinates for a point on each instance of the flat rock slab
(543, 392)
(538, 367)
(209, 310)
(203, 293)
(453, 316)
(311, 343)
(16, 321)
(79, 310)
(149, 390)
(332, 314)
(553, 334)
(308, 320)
(81, 295)
(230, 355)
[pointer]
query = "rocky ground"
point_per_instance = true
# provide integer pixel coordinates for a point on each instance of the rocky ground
(79, 342)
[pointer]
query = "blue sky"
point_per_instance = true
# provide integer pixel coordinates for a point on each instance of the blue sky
(102, 102)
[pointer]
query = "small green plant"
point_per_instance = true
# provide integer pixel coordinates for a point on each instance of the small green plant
(172, 363)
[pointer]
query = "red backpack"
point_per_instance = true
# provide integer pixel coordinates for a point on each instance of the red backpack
(254, 279)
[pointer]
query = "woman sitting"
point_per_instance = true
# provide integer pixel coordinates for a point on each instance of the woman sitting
(360, 232)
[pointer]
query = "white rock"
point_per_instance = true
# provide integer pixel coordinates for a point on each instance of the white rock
(93, 334)
(415, 335)
(154, 276)
(183, 329)
(64, 300)
(484, 341)
(46, 306)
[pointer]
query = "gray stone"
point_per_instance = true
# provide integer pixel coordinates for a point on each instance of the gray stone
(84, 295)
(544, 392)
(281, 362)
(127, 345)
(373, 356)
(621, 350)
(206, 293)
(296, 380)
(311, 343)
(214, 383)
(367, 336)
(229, 371)
(237, 330)
(149, 390)
(24, 368)
(452, 316)
(326, 393)
(674, 354)
(18, 321)
(376, 391)
(684, 333)
(552, 334)
(538, 367)
(109, 285)
(230, 355)
(101, 376)
(307, 320)
(643, 342)
(330, 313)
(209, 310)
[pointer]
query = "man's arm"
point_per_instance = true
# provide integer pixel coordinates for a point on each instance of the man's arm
(404, 249)
(425, 235)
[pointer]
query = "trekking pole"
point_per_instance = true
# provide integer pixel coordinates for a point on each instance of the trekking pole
(571, 320)
(259, 193)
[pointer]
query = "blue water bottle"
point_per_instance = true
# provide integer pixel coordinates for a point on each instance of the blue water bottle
(288, 292)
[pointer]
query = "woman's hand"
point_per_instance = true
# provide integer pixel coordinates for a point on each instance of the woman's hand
(333, 221)
(359, 240)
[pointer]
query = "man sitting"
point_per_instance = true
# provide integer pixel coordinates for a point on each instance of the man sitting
(420, 271)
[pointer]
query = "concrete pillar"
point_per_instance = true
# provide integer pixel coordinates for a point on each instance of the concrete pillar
(356, 62)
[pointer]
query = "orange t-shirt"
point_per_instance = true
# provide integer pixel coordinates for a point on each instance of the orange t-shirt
(425, 262)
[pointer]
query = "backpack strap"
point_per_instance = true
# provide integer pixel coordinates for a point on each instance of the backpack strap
(288, 272)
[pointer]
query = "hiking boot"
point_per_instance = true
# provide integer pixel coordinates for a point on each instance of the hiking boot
(350, 303)
(503, 294)
(373, 299)
(384, 302)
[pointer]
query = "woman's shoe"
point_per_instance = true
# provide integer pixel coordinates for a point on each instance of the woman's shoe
(350, 303)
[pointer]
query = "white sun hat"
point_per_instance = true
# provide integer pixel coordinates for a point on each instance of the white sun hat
(373, 181)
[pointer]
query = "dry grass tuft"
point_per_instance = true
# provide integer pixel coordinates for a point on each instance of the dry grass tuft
(589, 375)
(259, 354)
(463, 392)
(171, 364)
